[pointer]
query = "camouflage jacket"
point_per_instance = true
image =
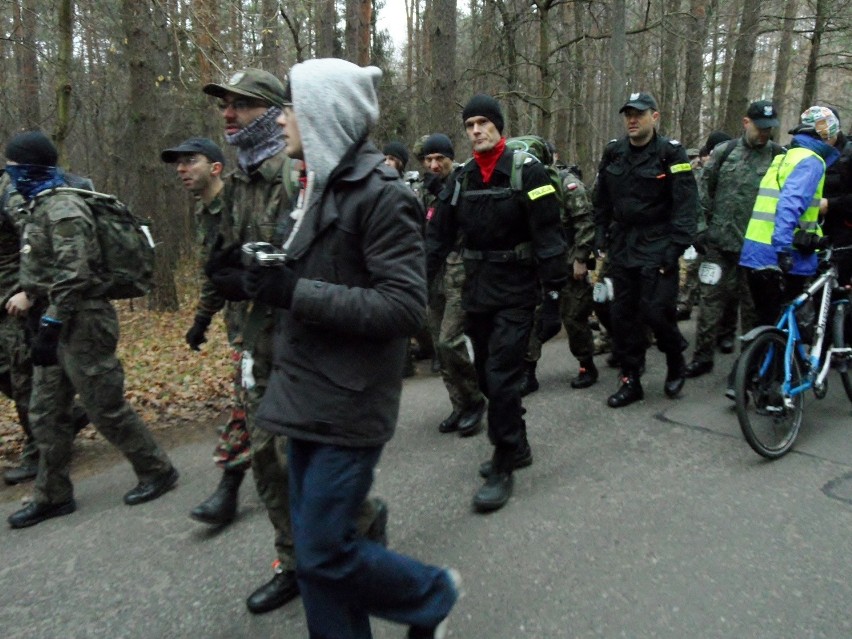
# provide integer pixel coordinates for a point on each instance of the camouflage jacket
(60, 256)
(727, 192)
(207, 220)
(254, 209)
(578, 218)
(10, 240)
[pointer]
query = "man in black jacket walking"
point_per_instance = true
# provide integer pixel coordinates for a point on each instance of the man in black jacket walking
(645, 217)
(351, 291)
(512, 247)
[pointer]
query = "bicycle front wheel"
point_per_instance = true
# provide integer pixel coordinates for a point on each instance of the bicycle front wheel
(841, 339)
(770, 422)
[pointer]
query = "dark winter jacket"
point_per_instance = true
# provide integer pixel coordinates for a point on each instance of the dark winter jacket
(339, 349)
(512, 241)
(646, 202)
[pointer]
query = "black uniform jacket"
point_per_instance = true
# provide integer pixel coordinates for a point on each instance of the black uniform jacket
(512, 241)
(646, 201)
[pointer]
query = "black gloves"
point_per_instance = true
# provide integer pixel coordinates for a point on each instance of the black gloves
(806, 243)
(196, 335)
(223, 257)
(272, 285)
(549, 323)
(670, 262)
(44, 349)
(785, 261)
(225, 270)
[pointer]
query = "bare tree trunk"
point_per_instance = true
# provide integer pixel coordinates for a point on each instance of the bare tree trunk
(270, 36)
(146, 39)
(617, 47)
(326, 19)
(357, 33)
(809, 90)
(208, 54)
(782, 66)
(669, 65)
(63, 77)
(738, 93)
(696, 35)
(24, 32)
(442, 46)
(545, 89)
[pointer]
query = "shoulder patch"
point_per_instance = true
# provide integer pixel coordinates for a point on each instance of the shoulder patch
(681, 168)
(541, 191)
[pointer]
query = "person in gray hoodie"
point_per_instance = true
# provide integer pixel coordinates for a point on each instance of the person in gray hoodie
(350, 293)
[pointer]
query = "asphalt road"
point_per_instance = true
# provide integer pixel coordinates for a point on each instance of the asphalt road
(654, 520)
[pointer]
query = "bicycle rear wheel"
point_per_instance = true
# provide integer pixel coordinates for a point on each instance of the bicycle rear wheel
(841, 339)
(769, 421)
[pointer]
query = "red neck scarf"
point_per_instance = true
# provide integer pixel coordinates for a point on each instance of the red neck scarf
(487, 160)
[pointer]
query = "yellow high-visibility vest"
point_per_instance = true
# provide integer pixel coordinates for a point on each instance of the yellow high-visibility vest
(762, 222)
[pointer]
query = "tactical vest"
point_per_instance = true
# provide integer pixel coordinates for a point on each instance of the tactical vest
(762, 222)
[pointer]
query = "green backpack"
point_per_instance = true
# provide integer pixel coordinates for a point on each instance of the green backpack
(535, 148)
(127, 245)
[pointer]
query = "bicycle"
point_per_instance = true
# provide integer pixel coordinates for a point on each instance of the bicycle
(776, 367)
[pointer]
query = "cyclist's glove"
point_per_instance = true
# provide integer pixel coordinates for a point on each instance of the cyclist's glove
(806, 243)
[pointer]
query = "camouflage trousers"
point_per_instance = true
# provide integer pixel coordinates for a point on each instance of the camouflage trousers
(575, 308)
(88, 366)
(233, 450)
(717, 313)
(16, 378)
(447, 323)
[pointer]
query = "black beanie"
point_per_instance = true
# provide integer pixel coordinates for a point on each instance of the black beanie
(486, 106)
(716, 137)
(438, 143)
(397, 150)
(31, 147)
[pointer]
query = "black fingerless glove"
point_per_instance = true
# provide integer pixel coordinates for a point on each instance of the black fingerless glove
(197, 334)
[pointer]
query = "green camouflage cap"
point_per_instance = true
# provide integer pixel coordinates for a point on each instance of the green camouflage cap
(250, 83)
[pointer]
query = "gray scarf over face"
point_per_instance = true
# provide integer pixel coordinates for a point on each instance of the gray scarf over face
(336, 105)
(259, 141)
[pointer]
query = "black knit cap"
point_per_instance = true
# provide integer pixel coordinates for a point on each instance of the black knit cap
(716, 137)
(486, 106)
(438, 143)
(31, 147)
(397, 150)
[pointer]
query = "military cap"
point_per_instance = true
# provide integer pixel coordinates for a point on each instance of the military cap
(250, 83)
(204, 146)
(762, 114)
(641, 101)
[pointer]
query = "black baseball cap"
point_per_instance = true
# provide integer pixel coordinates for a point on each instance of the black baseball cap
(762, 113)
(641, 101)
(250, 83)
(206, 147)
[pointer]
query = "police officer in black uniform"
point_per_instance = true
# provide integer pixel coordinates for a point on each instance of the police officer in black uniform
(512, 239)
(645, 217)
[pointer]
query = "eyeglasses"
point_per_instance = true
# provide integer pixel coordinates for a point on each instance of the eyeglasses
(240, 104)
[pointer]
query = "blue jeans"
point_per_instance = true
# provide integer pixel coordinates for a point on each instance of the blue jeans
(343, 578)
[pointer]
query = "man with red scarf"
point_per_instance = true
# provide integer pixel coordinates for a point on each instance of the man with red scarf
(512, 247)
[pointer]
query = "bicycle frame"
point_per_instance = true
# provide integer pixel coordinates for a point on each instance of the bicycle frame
(816, 370)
